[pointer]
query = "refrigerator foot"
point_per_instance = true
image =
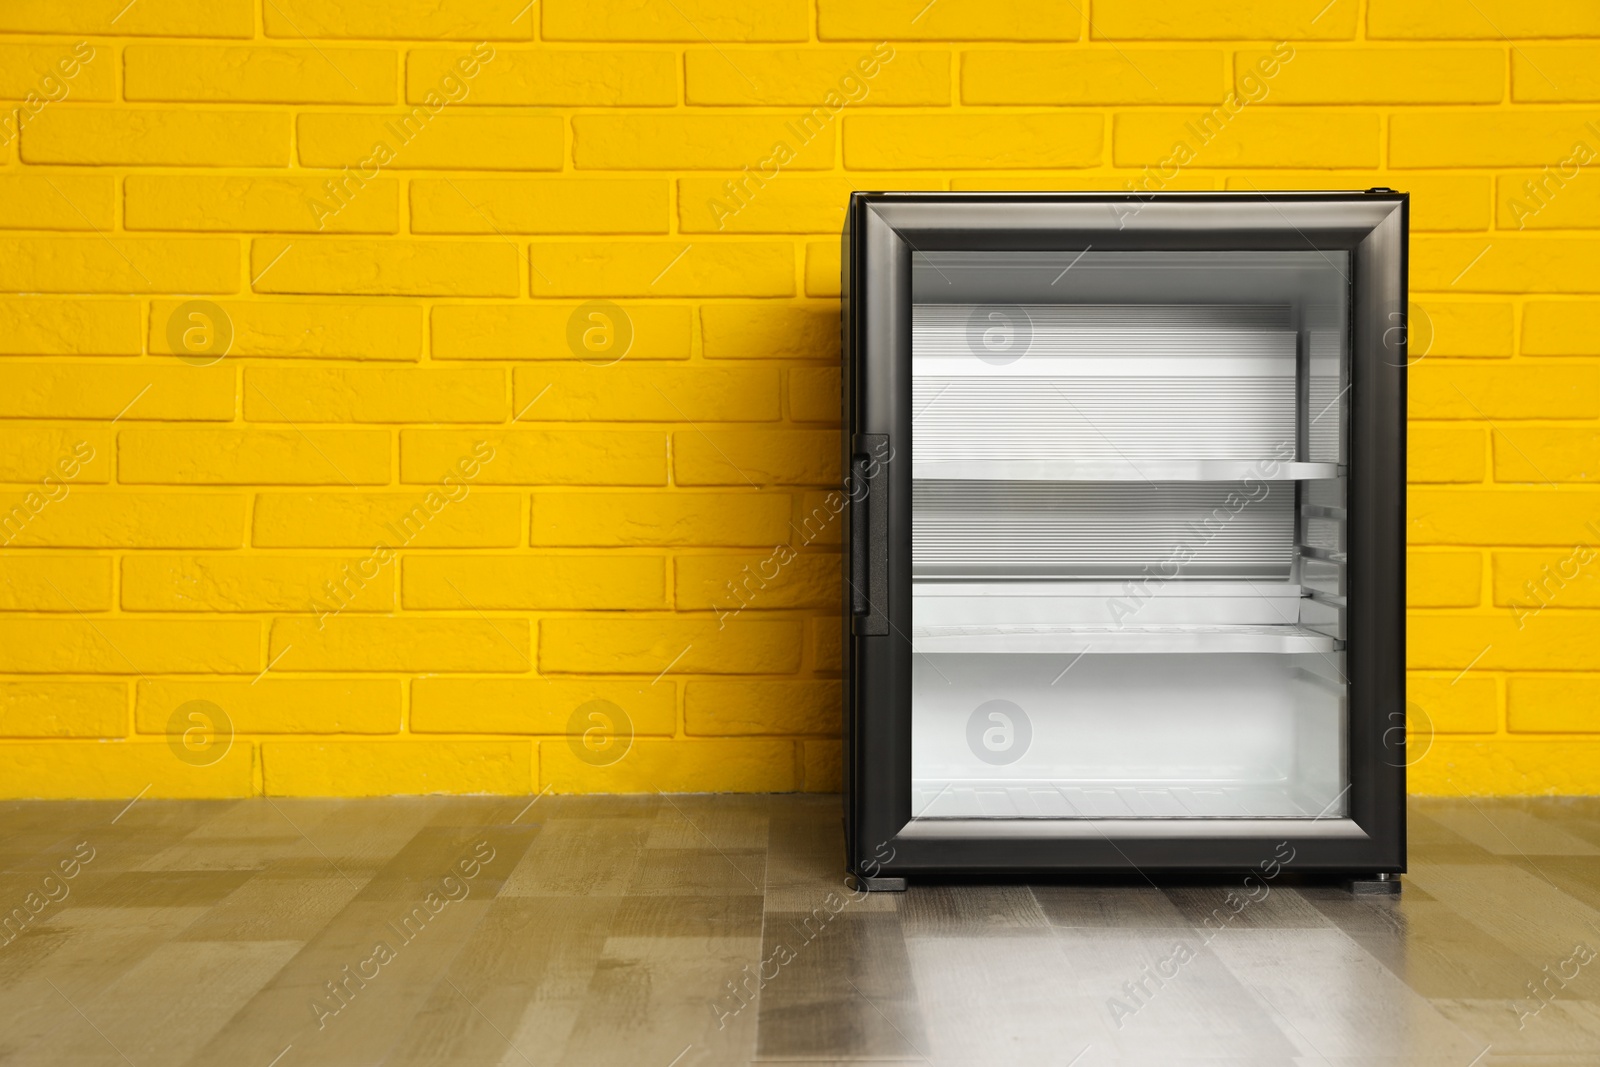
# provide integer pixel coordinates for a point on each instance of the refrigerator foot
(882, 885)
(1387, 885)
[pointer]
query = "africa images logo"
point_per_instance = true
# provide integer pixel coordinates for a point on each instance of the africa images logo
(999, 334)
(999, 732)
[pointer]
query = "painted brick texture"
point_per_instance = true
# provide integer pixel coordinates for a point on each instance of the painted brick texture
(399, 396)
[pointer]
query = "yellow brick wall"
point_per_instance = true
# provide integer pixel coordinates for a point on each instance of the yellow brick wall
(410, 529)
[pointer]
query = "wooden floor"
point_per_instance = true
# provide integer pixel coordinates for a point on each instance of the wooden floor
(675, 931)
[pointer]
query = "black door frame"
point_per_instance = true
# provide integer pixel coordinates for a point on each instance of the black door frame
(882, 232)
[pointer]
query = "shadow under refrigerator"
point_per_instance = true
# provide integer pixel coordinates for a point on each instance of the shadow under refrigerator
(1124, 551)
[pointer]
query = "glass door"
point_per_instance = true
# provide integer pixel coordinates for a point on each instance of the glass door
(1128, 534)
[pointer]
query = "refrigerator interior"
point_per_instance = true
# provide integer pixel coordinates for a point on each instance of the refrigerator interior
(1128, 515)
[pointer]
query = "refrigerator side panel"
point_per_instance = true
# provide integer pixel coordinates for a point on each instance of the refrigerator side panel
(879, 454)
(1377, 539)
(847, 425)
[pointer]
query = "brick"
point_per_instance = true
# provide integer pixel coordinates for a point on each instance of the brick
(424, 139)
(282, 329)
(418, 519)
(547, 78)
(823, 766)
(1506, 264)
(349, 643)
(539, 705)
(129, 646)
(646, 392)
(534, 457)
(1221, 20)
(472, 20)
(822, 268)
(742, 204)
(1445, 454)
(1438, 201)
(384, 268)
(158, 137)
(57, 72)
(257, 204)
(661, 269)
(754, 708)
(1374, 76)
(685, 20)
(756, 457)
(811, 77)
(770, 331)
(1507, 767)
(258, 75)
(541, 331)
(233, 583)
(1443, 579)
(55, 455)
(1544, 74)
(1449, 706)
(51, 583)
(1503, 391)
(955, 20)
(1553, 704)
(63, 709)
(1492, 20)
(534, 583)
(1554, 199)
(1122, 183)
(374, 394)
(1561, 328)
(539, 205)
(162, 456)
(673, 767)
(1525, 137)
(34, 326)
(1528, 582)
(270, 705)
(119, 770)
(1500, 516)
(988, 141)
(1547, 454)
(827, 644)
(121, 265)
(1460, 328)
(97, 391)
(421, 268)
(780, 578)
(665, 519)
(1563, 641)
(89, 518)
(1252, 137)
(814, 395)
(1094, 76)
(57, 201)
(396, 768)
(765, 143)
(169, 18)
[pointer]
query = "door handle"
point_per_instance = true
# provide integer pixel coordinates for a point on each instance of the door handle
(868, 495)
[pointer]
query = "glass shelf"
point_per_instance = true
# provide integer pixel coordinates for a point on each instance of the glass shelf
(1077, 639)
(1197, 799)
(1120, 470)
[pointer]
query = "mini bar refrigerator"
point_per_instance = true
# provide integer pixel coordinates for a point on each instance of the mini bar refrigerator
(1124, 571)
